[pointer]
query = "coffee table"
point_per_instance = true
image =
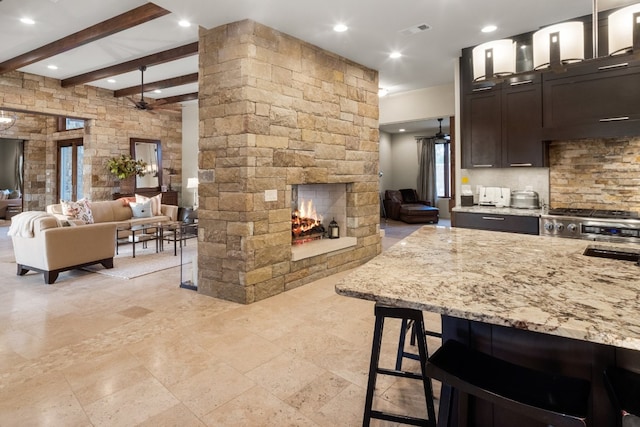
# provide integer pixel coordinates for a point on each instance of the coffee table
(141, 233)
(177, 231)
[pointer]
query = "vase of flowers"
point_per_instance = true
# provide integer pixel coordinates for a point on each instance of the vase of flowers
(126, 168)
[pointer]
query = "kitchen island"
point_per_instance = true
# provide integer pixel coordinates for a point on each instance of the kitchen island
(534, 300)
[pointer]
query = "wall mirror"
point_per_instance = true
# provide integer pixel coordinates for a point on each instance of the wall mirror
(149, 150)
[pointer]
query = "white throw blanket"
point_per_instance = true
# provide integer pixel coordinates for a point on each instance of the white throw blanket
(22, 224)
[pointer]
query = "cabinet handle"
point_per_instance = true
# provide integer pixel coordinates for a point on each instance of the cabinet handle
(480, 89)
(524, 82)
(520, 165)
(609, 67)
(493, 218)
(615, 119)
(482, 166)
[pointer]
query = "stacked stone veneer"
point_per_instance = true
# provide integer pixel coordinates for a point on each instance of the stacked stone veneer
(595, 174)
(274, 112)
(110, 122)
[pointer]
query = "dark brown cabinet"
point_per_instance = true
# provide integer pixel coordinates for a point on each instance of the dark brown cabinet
(594, 99)
(481, 118)
(502, 124)
(168, 197)
(497, 222)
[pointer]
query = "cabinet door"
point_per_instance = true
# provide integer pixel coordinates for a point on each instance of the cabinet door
(482, 131)
(600, 99)
(522, 124)
(496, 222)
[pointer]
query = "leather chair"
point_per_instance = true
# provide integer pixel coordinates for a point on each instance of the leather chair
(404, 205)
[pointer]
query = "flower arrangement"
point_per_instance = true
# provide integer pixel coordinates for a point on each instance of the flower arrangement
(124, 166)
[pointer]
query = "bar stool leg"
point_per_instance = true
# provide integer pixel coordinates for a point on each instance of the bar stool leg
(410, 318)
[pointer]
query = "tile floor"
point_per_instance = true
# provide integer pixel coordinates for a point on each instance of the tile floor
(92, 350)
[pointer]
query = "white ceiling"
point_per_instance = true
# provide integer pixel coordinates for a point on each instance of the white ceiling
(374, 31)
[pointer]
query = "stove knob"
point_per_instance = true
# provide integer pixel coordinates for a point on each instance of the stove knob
(548, 226)
(559, 227)
(572, 228)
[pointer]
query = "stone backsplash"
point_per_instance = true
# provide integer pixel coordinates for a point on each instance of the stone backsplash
(595, 174)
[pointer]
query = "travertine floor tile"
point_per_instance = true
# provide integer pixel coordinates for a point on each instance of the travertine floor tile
(91, 350)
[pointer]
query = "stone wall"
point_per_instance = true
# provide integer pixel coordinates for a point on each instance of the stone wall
(595, 174)
(110, 122)
(274, 112)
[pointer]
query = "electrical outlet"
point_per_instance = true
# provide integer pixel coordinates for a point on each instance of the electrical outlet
(270, 195)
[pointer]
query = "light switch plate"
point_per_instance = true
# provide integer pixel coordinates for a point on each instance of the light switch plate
(270, 195)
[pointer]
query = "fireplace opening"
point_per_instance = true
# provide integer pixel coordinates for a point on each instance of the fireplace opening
(313, 206)
(306, 224)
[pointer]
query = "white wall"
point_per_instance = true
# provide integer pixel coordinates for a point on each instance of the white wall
(427, 103)
(385, 161)
(190, 137)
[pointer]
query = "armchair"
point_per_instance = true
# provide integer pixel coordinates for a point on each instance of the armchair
(404, 205)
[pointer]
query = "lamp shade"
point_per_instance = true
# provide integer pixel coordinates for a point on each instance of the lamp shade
(192, 183)
(559, 43)
(622, 24)
(495, 58)
(6, 120)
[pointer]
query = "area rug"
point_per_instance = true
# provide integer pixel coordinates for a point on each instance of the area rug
(147, 261)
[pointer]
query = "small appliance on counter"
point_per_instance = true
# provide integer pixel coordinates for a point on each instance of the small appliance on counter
(525, 199)
(466, 198)
(494, 196)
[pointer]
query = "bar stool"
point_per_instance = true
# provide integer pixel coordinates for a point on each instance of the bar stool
(406, 324)
(553, 399)
(623, 387)
(383, 312)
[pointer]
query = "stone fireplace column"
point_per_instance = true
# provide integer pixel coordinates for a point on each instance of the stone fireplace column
(275, 112)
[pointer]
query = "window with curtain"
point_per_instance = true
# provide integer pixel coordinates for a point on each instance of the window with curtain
(443, 169)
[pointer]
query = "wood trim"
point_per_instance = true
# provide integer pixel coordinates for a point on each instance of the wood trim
(124, 21)
(161, 84)
(154, 59)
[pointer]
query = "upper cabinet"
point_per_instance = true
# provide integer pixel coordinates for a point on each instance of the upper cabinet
(593, 99)
(548, 91)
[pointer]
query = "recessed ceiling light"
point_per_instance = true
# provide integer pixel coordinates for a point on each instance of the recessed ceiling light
(27, 21)
(401, 130)
(340, 28)
(489, 29)
(382, 92)
(184, 23)
(52, 67)
(111, 81)
(395, 55)
(157, 91)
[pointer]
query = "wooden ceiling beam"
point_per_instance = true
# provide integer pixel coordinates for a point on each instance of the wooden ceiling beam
(124, 21)
(177, 98)
(161, 84)
(154, 59)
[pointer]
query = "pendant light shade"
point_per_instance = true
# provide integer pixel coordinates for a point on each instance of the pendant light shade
(624, 29)
(558, 44)
(495, 58)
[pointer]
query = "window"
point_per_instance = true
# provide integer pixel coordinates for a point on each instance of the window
(443, 168)
(70, 178)
(68, 123)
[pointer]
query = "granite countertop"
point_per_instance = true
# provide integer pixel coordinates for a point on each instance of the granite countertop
(538, 283)
(498, 211)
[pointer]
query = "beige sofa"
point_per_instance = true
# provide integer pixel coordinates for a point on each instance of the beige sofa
(118, 212)
(54, 248)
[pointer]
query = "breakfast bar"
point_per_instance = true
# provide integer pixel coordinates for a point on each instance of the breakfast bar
(536, 301)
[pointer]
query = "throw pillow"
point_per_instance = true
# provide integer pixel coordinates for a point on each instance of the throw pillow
(156, 201)
(141, 209)
(80, 210)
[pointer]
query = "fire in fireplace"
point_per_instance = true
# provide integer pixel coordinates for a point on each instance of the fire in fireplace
(306, 224)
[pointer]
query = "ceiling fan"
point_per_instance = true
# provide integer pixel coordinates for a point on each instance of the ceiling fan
(440, 136)
(142, 104)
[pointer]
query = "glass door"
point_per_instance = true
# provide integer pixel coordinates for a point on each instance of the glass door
(70, 177)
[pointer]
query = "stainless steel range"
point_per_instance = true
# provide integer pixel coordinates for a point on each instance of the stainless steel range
(589, 224)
